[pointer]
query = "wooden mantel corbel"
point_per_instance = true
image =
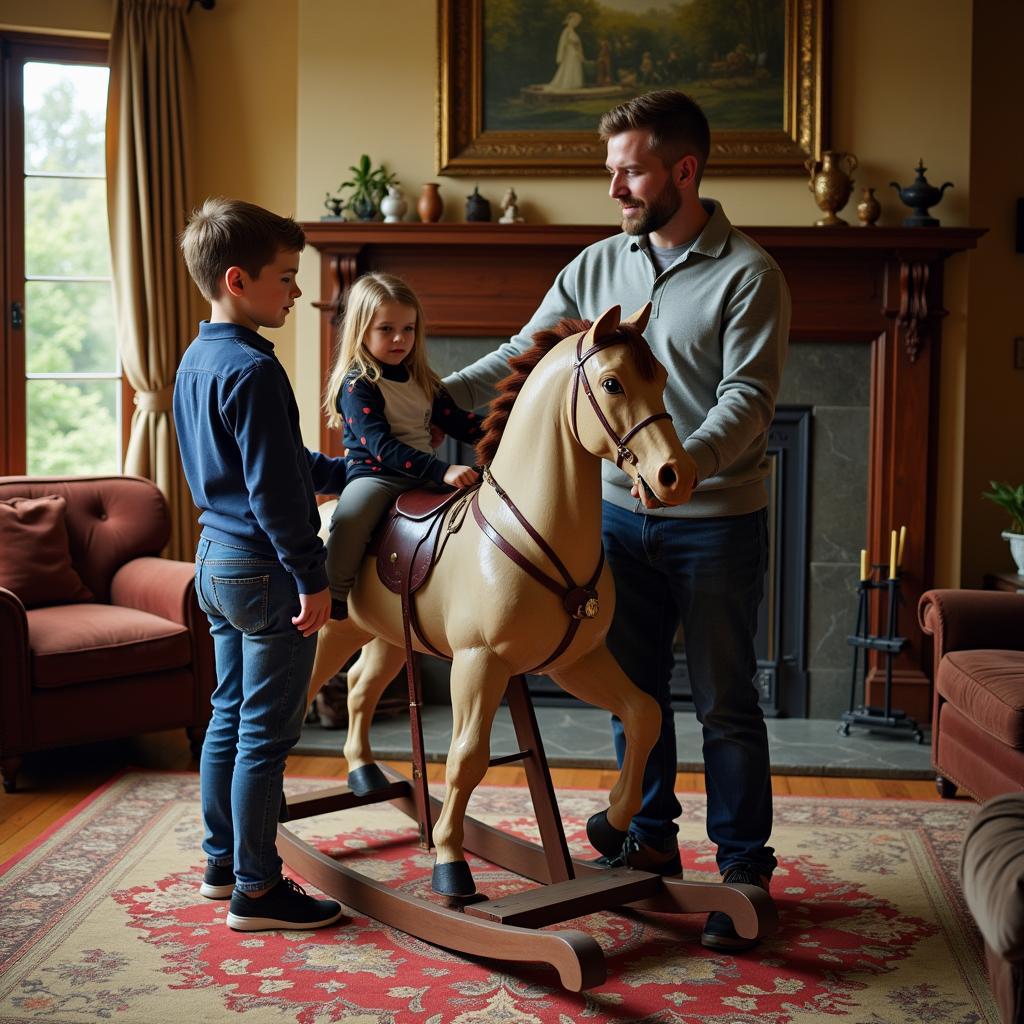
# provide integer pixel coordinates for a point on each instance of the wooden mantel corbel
(913, 304)
(878, 286)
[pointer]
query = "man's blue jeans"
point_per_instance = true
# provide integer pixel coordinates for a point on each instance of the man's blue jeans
(709, 575)
(263, 669)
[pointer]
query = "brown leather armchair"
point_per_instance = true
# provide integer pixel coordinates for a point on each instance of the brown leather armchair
(136, 658)
(978, 703)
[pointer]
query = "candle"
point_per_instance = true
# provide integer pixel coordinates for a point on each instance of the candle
(899, 552)
(892, 556)
(863, 564)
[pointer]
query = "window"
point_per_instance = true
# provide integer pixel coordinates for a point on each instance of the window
(63, 391)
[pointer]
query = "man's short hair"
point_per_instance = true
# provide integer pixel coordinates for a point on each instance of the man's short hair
(230, 233)
(677, 125)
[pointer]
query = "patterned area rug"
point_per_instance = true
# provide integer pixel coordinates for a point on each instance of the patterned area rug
(101, 920)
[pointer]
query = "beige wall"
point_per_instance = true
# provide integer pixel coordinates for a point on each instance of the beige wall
(66, 17)
(994, 391)
(245, 54)
(290, 92)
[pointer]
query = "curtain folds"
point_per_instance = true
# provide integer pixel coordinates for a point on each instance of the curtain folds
(148, 138)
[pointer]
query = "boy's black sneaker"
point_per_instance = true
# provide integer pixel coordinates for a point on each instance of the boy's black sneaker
(286, 906)
(718, 931)
(218, 882)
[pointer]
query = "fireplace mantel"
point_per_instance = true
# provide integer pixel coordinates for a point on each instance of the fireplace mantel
(878, 286)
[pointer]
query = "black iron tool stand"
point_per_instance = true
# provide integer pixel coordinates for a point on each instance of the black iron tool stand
(886, 719)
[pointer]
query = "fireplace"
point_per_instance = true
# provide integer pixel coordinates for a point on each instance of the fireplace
(878, 289)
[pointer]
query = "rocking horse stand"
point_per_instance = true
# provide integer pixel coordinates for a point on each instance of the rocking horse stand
(506, 929)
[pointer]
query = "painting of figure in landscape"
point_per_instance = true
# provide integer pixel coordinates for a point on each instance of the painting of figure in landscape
(557, 65)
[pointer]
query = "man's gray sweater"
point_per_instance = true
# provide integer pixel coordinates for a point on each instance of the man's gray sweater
(720, 327)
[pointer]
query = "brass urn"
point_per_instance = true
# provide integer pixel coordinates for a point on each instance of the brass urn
(831, 184)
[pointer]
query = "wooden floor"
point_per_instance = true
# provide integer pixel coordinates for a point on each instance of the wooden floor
(51, 784)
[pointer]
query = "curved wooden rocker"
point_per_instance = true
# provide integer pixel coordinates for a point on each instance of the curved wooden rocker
(493, 594)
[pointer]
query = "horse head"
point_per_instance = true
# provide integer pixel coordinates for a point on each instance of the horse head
(617, 408)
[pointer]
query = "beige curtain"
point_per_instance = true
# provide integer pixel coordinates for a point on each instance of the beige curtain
(148, 136)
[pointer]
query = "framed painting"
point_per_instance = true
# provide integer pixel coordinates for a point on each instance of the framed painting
(523, 82)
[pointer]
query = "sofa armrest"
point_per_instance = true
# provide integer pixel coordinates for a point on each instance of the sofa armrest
(992, 871)
(166, 588)
(963, 620)
(159, 586)
(14, 670)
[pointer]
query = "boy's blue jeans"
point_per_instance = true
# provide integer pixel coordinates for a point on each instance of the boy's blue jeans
(709, 575)
(263, 669)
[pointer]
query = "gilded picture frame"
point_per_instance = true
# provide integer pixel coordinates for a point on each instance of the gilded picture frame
(499, 117)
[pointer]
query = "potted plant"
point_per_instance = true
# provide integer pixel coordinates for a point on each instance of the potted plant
(368, 185)
(1011, 500)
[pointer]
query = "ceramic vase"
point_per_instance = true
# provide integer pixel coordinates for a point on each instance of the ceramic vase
(869, 208)
(430, 205)
(393, 205)
(1016, 548)
(831, 185)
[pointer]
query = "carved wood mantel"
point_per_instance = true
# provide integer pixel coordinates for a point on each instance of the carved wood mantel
(879, 286)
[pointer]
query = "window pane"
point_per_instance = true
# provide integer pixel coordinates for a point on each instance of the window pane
(69, 327)
(65, 116)
(66, 228)
(72, 427)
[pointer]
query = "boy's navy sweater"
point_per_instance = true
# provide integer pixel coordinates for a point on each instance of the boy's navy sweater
(371, 446)
(250, 475)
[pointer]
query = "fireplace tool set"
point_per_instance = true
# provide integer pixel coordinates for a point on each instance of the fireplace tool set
(886, 719)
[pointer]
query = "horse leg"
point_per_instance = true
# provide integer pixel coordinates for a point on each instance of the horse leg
(335, 644)
(478, 683)
(597, 679)
(376, 666)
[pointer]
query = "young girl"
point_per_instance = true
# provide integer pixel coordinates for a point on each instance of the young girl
(384, 394)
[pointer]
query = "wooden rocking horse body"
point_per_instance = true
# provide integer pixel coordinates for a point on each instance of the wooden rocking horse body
(520, 586)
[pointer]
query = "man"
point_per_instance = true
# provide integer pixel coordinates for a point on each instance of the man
(719, 325)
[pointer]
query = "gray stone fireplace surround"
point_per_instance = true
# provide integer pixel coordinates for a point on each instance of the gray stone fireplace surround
(833, 379)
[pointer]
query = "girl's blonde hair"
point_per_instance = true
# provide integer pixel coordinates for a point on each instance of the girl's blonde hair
(363, 300)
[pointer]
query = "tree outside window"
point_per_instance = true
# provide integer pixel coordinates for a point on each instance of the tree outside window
(72, 370)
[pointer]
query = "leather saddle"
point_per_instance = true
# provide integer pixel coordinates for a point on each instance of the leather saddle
(408, 540)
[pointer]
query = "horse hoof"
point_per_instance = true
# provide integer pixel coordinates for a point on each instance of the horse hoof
(366, 779)
(605, 838)
(453, 879)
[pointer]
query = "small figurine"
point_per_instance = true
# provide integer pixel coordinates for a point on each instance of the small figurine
(477, 208)
(336, 206)
(510, 211)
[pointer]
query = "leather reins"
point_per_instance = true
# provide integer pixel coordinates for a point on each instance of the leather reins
(580, 602)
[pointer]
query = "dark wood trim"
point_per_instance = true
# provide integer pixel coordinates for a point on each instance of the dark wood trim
(876, 286)
(17, 48)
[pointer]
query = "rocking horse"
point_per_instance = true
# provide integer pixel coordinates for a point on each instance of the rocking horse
(506, 578)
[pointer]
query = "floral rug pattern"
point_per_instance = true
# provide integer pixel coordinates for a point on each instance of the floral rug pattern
(102, 921)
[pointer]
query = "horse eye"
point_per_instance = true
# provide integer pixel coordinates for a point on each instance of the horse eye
(611, 386)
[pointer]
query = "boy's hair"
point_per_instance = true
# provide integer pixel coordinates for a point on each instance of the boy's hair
(677, 125)
(353, 358)
(230, 233)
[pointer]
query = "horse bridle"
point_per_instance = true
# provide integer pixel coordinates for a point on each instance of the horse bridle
(580, 376)
(579, 601)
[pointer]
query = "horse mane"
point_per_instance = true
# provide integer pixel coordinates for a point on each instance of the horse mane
(543, 341)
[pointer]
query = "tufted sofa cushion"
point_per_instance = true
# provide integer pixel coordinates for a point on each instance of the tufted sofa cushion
(109, 520)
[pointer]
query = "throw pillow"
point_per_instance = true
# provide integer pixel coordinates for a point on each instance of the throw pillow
(35, 561)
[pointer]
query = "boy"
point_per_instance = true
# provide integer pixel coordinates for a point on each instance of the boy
(260, 573)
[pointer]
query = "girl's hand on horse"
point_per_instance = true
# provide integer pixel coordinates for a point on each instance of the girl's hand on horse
(460, 476)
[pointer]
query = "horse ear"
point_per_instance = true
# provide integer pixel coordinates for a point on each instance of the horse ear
(605, 324)
(640, 317)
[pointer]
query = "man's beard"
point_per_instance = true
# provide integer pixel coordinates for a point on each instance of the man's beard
(656, 214)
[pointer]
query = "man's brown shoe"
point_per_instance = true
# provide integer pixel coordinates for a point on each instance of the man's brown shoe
(638, 855)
